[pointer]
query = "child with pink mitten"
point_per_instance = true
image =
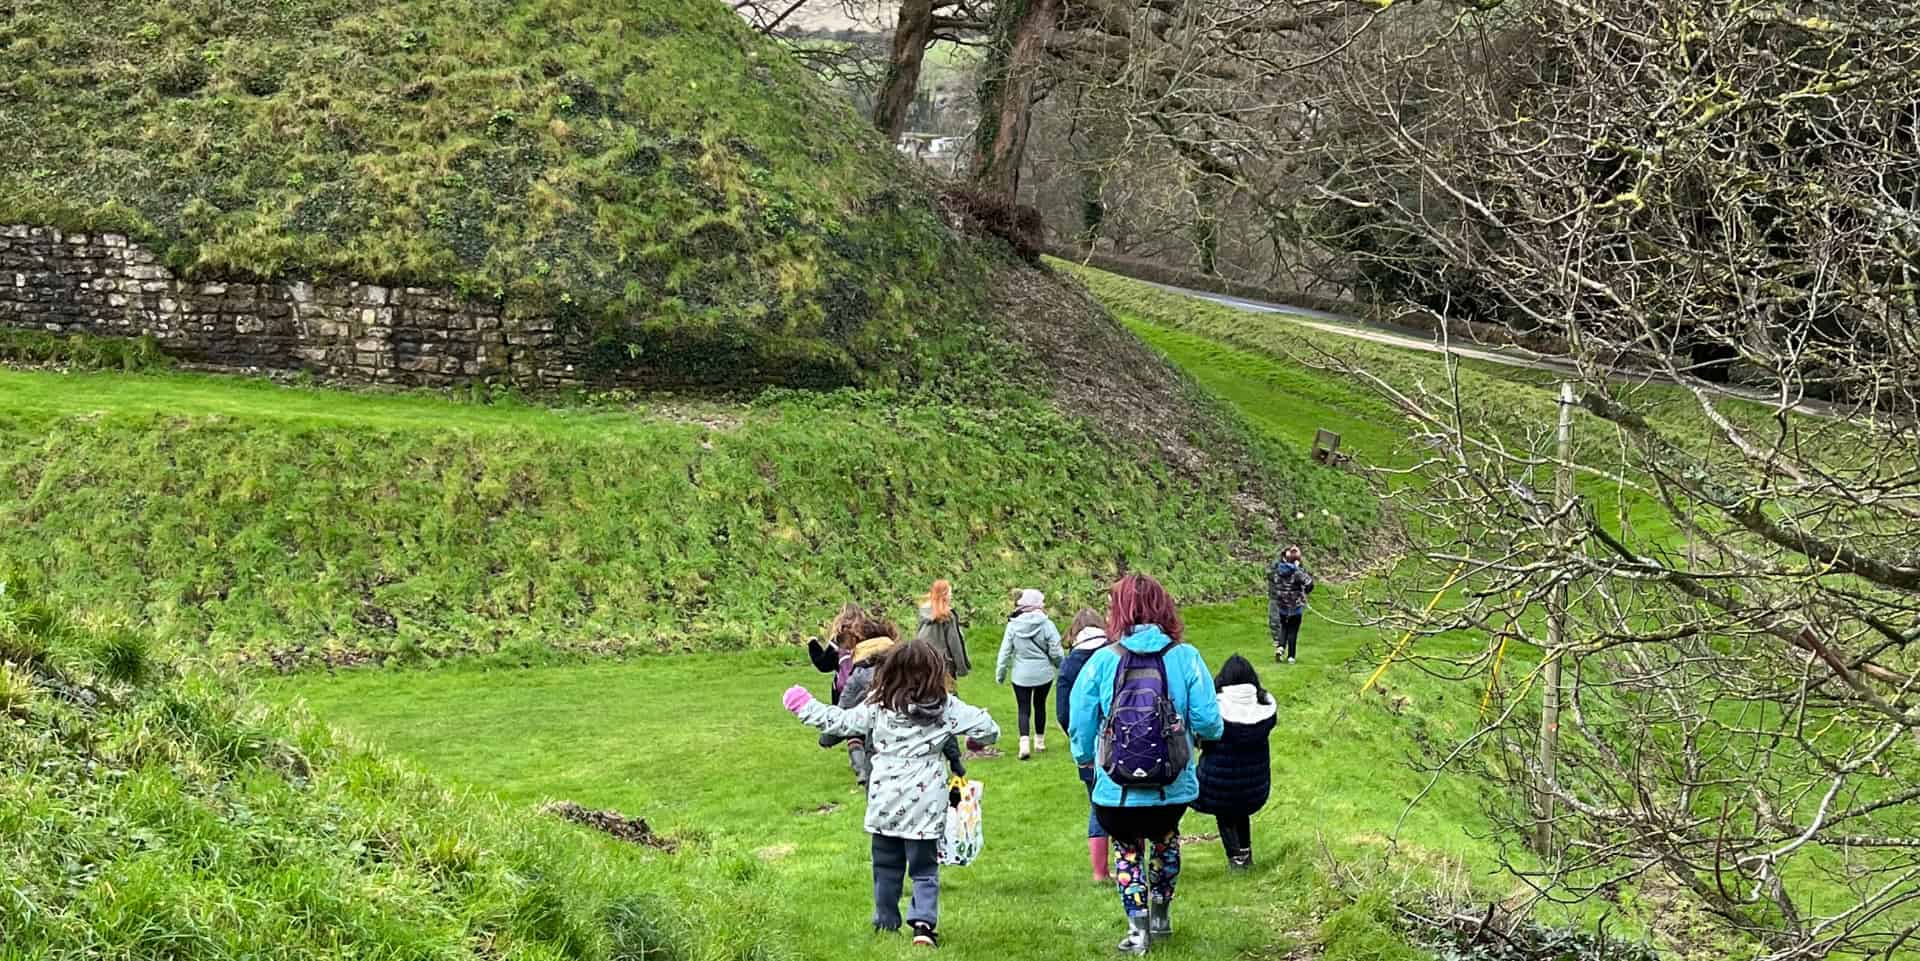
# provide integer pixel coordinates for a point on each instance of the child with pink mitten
(905, 722)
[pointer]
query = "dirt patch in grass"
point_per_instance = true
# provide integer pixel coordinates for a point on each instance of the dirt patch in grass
(628, 829)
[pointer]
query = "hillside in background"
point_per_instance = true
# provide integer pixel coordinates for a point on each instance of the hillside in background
(317, 525)
(655, 172)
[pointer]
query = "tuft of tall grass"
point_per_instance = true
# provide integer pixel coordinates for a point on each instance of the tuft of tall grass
(123, 656)
(17, 694)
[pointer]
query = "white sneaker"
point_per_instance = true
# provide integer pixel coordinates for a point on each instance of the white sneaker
(1026, 748)
(1039, 742)
(1289, 660)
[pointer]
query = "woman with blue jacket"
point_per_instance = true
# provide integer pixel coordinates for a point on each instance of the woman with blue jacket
(1141, 615)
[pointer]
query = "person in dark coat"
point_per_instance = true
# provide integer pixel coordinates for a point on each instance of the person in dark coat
(1088, 635)
(1288, 585)
(1236, 771)
(835, 654)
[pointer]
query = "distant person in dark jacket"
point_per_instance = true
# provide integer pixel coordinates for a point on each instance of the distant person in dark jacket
(1236, 770)
(1288, 585)
(878, 638)
(834, 654)
(1087, 635)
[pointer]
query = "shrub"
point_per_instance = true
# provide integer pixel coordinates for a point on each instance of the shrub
(987, 215)
(82, 351)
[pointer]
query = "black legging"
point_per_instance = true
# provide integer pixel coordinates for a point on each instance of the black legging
(1032, 702)
(1236, 834)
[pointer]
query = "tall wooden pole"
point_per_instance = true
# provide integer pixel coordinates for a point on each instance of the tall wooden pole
(1556, 627)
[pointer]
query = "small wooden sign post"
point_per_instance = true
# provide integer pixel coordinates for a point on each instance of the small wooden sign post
(1326, 446)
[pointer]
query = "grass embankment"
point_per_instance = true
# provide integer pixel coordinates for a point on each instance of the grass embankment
(151, 814)
(1269, 366)
(253, 518)
(656, 172)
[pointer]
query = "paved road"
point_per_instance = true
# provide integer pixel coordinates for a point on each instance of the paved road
(1520, 357)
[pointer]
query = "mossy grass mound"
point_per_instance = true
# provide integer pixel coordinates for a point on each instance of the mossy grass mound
(653, 171)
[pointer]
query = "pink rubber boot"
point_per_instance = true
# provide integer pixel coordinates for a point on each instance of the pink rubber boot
(1099, 854)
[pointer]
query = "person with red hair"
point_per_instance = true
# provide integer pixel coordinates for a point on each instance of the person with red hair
(940, 627)
(1138, 708)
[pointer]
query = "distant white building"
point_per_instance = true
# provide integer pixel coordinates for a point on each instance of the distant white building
(941, 153)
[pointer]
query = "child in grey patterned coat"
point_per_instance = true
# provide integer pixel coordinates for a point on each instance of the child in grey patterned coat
(906, 722)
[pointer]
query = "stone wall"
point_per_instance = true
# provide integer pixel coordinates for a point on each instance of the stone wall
(104, 284)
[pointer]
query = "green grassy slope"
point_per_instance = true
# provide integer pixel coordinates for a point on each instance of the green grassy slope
(1271, 367)
(654, 171)
(147, 814)
(255, 518)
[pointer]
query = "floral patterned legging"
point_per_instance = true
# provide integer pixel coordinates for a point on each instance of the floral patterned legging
(1163, 871)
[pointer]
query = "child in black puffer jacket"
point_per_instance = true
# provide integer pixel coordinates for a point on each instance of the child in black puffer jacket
(1236, 771)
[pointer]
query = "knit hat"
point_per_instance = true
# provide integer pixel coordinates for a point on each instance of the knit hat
(1031, 600)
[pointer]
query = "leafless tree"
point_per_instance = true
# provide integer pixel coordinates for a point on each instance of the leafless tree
(1189, 120)
(854, 60)
(1731, 190)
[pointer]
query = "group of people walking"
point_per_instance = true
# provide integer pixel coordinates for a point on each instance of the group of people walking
(1135, 700)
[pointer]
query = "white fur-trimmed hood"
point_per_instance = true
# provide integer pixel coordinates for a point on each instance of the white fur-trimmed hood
(1240, 704)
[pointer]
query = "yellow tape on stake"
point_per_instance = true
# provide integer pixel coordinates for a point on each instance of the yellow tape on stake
(1408, 637)
(1487, 698)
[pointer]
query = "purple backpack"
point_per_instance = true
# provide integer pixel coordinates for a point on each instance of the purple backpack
(1143, 742)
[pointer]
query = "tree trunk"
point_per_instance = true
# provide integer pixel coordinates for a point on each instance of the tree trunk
(1093, 209)
(910, 38)
(1020, 32)
(1206, 225)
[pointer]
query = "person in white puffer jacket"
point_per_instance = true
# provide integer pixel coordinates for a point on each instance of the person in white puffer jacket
(1029, 656)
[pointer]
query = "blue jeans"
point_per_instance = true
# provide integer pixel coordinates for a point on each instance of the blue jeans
(895, 862)
(1094, 830)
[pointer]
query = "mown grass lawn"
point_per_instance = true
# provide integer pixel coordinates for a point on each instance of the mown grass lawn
(700, 746)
